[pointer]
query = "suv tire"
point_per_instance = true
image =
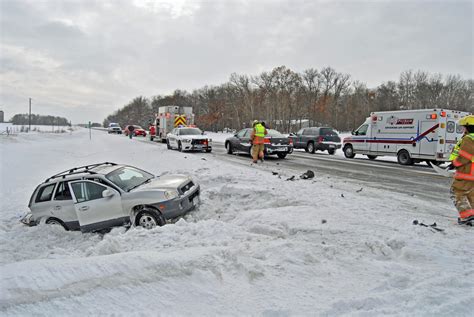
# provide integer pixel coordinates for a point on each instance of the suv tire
(180, 147)
(55, 221)
(331, 151)
(148, 218)
(168, 146)
(310, 147)
(281, 155)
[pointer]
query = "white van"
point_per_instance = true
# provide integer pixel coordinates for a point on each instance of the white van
(410, 135)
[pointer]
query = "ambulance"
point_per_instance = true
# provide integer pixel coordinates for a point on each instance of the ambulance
(170, 117)
(410, 135)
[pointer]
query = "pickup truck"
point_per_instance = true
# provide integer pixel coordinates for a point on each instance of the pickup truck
(316, 139)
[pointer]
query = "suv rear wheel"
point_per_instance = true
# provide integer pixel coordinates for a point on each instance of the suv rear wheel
(55, 221)
(310, 147)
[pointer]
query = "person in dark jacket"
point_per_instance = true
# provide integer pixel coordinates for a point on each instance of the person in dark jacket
(130, 128)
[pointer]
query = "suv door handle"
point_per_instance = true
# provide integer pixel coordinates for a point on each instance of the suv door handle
(84, 208)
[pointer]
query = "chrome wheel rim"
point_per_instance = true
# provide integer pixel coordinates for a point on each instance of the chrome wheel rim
(147, 221)
(310, 147)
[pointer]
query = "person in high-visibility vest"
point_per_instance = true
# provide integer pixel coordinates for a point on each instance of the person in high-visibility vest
(257, 136)
(462, 188)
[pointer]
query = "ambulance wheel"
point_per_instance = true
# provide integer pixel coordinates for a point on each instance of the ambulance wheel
(372, 157)
(310, 147)
(180, 147)
(403, 158)
(348, 151)
(168, 146)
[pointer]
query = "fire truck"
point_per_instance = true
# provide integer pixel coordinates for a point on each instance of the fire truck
(410, 135)
(168, 118)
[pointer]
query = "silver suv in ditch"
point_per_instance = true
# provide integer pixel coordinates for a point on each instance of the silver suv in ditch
(100, 196)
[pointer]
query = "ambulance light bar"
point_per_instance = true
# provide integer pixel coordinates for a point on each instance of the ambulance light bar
(432, 116)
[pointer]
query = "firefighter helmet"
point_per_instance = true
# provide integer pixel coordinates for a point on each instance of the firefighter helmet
(254, 122)
(467, 120)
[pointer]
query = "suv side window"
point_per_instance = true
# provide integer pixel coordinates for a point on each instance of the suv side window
(300, 131)
(86, 191)
(45, 193)
(62, 192)
(310, 132)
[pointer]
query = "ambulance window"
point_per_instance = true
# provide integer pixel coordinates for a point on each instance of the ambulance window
(459, 129)
(450, 127)
(362, 130)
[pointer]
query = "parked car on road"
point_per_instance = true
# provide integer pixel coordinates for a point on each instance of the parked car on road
(105, 195)
(275, 143)
(188, 139)
(138, 130)
(114, 128)
(316, 139)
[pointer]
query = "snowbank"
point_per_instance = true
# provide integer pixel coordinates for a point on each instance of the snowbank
(258, 244)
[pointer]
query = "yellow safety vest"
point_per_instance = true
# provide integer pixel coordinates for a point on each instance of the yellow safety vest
(259, 130)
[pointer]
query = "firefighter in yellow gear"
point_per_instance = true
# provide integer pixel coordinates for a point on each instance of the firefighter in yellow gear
(462, 157)
(258, 136)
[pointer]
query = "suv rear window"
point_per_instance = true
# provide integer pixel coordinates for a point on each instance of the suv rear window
(328, 131)
(45, 193)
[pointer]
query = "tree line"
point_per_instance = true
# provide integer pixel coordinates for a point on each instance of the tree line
(36, 119)
(286, 100)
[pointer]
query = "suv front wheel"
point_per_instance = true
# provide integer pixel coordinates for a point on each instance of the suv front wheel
(149, 219)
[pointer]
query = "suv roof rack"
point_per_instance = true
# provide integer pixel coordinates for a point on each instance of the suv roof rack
(79, 170)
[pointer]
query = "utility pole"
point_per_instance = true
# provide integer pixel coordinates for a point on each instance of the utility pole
(29, 118)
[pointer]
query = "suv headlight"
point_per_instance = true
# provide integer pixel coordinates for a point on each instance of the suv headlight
(186, 140)
(171, 194)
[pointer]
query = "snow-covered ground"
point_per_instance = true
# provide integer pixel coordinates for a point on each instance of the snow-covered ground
(6, 127)
(257, 245)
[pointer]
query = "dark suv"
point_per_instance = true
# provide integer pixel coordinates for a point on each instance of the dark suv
(316, 139)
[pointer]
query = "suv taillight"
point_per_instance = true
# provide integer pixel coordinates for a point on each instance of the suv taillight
(320, 139)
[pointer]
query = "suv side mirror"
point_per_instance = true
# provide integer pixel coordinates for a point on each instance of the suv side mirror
(107, 193)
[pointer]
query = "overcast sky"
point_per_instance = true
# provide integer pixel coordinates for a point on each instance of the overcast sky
(85, 59)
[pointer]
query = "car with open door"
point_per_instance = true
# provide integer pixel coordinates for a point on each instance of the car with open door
(101, 196)
(275, 143)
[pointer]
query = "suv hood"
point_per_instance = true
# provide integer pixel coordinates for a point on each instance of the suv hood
(165, 182)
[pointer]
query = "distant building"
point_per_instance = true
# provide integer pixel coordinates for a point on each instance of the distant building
(1, 116)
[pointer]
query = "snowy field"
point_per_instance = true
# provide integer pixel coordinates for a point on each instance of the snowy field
(9, 128)
(258, 244)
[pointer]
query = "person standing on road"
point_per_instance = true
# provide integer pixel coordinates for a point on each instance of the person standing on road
(462, 189)
(257, 137)
(131, 128)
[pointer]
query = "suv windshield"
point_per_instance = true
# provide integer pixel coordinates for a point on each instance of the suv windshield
(190, 131)
(113, 125)
(128, 177)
